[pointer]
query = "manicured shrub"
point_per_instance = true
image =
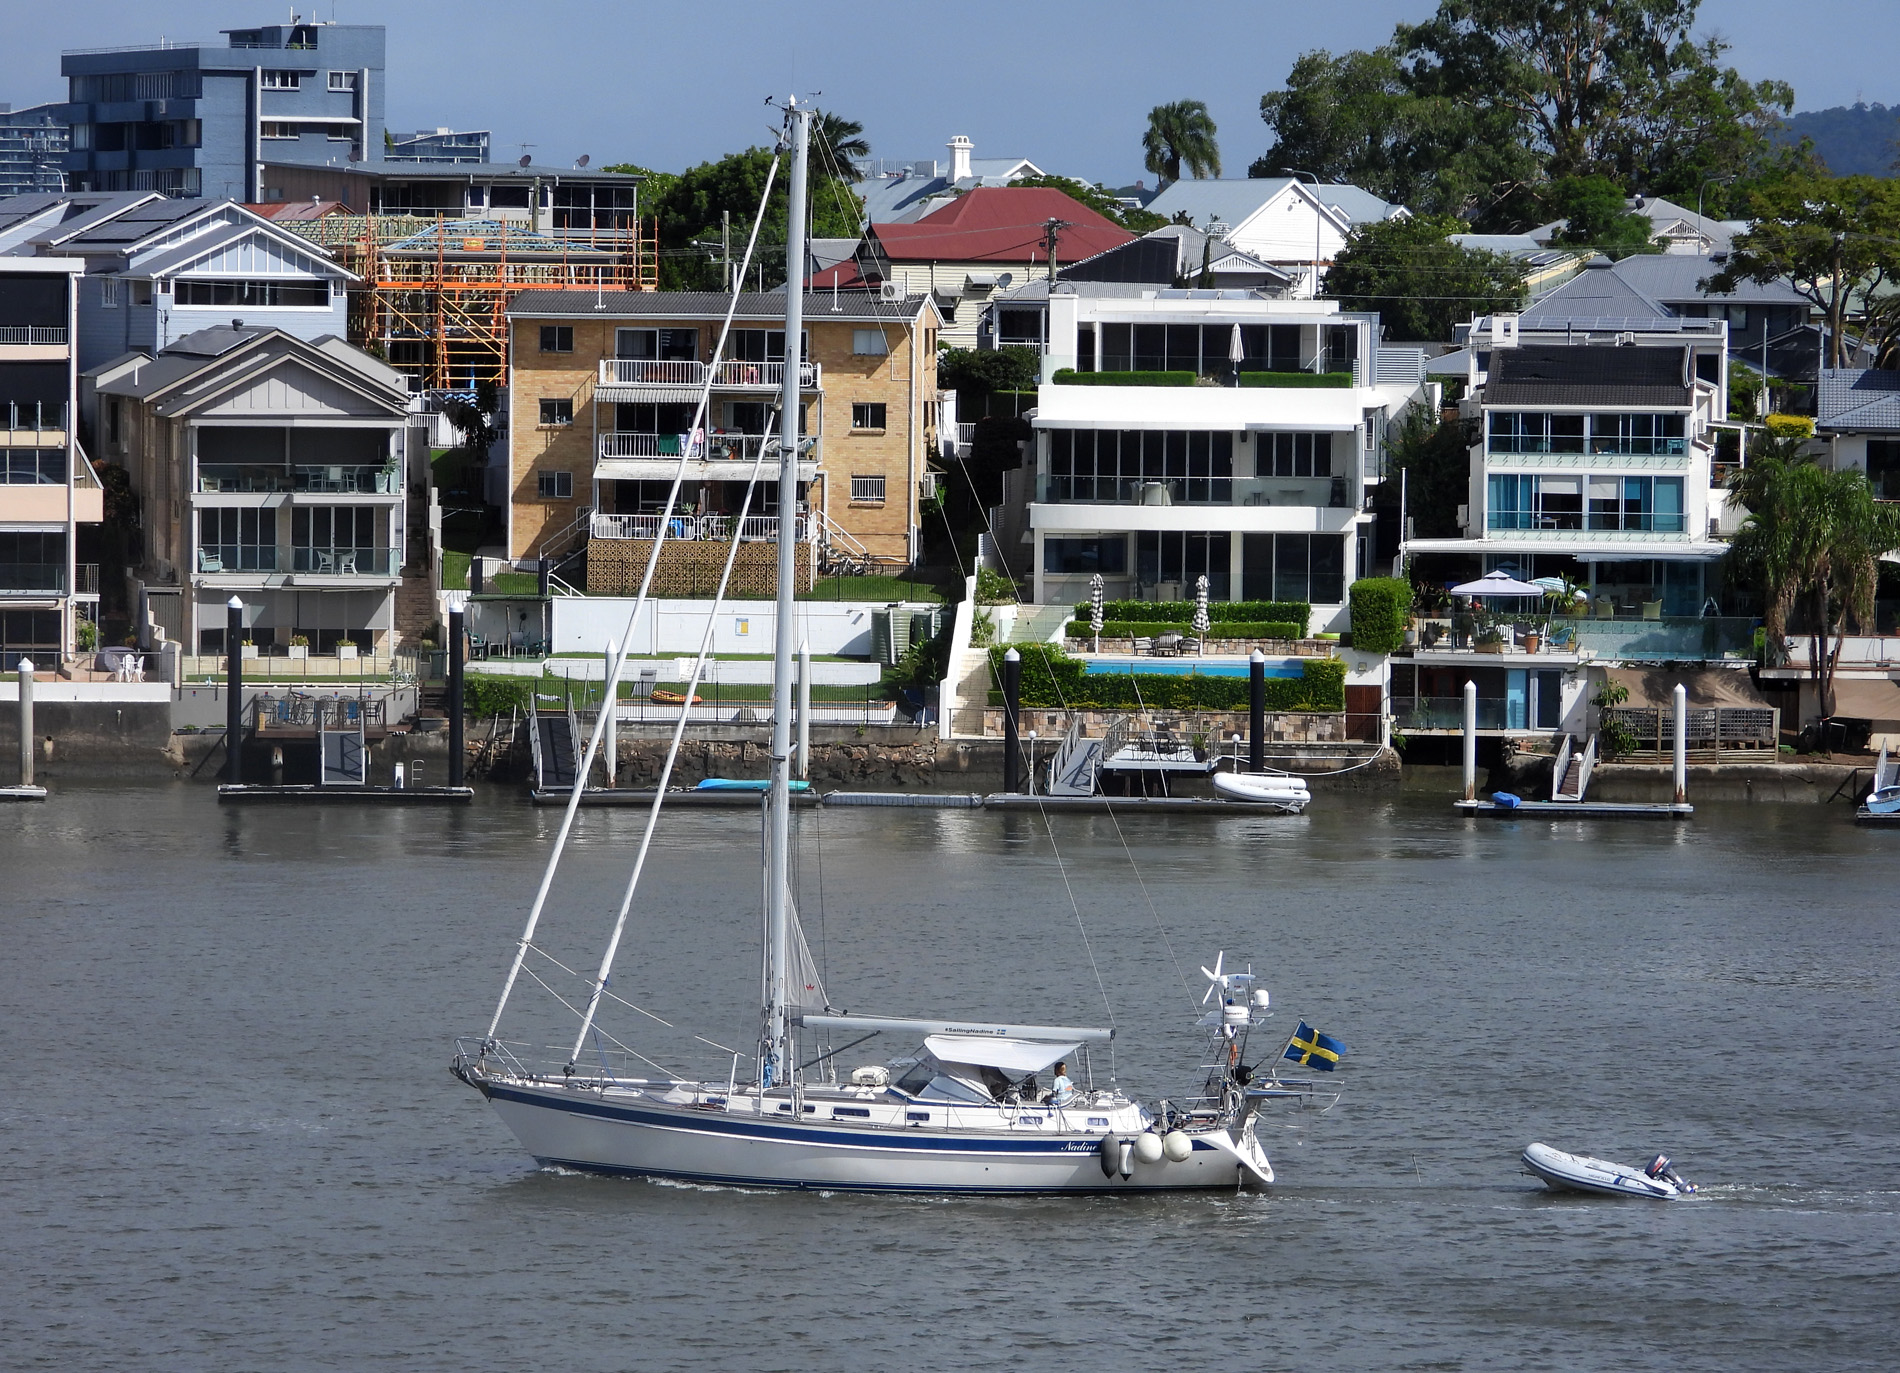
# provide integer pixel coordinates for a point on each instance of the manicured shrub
(485, 694)
(1052, 679)
(1220, 629)
(1291, 380)
(1380, 606)
(1068, 376)
(1219, 612)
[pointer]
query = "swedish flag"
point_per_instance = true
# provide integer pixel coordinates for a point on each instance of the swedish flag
(1311, 1049)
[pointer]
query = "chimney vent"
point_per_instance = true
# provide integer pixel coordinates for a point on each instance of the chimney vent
(960, 147)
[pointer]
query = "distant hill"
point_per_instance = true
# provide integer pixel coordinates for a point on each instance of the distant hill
(1854, 140)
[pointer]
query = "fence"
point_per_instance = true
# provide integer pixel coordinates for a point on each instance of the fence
(1708, 727)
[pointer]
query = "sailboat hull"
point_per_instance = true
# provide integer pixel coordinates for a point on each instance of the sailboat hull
(587, 1131)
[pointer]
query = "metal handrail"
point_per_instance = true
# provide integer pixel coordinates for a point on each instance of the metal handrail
(32, 333)
(651, 372)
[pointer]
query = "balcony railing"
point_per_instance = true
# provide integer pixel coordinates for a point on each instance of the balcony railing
(33, 415)
(652, 372)
(1331, 493)
(86, 579)
(764, 376)
(1637, 526)
(217, 559)
(32, 577)
(32, 333)
(253, 477)
(697, 528)
(1522, 444)
(1447, 712)
(719, 446)
(344, 562)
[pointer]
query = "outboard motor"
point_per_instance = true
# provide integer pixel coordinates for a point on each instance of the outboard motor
(1659, 1168)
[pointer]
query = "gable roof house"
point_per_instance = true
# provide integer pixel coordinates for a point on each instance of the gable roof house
(1280, 220)
(267, 467)
(159, 269)
(919, 188)
(988, 240)
(1859, 419)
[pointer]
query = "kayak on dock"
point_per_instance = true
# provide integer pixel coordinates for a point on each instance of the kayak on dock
(740, 784)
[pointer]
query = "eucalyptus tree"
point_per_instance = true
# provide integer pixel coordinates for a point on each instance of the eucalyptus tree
(1181, 133)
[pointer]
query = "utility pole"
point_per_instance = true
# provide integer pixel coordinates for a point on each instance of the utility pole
(725, 247)
(1049, 231)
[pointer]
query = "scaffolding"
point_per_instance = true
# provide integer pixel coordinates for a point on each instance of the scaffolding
(435, 292)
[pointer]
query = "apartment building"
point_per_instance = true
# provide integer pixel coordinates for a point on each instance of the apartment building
(602, 393)
(32, 146)
(270, 468)
(47, 487)
(191, 119)
(1182, 433)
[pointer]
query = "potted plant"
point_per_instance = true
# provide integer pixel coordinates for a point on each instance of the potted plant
(1532, 636)
(86, 636)
(247, 651)
(1490, 640)
(346, 650)
(299, 646)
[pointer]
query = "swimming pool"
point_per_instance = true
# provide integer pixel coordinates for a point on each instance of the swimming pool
(1188, 667)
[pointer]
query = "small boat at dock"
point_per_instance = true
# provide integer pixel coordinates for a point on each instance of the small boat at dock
(1276, 791)
(1563, 1172)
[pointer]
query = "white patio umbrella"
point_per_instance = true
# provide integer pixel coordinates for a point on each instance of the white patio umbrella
(1497, 584)
(1236, 352)
(1201, 623)
(1095, 611)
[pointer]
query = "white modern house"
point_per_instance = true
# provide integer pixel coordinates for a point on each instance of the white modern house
(1291, 224)
(1592, 458)
(1252, 465)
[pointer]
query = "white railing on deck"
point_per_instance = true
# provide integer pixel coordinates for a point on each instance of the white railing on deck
(32, 333)
(696, 528)
(651, 372)
(765, 375)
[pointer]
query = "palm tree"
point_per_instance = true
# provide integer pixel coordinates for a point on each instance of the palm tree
(1812, 541)
(841, 140)
(1178, 133)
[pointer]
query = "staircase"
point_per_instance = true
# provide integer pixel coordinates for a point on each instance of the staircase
(1570, 777)
(416, 610)
(1040, 624)
(551, 742)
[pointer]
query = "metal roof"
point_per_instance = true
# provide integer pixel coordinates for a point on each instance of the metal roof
(851, 305)
(1236, 199)
(1588, 375)
(1858, 398)
(1676, 277)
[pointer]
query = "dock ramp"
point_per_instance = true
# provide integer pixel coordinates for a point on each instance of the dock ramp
(551, 741)
(1570, 775)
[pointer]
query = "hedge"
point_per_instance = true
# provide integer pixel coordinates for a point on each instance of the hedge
(1068, 376)
(1052, 679)
(1328, 380)
(1219, 629)
(485, 694)
(1220, 612)
(1380, 606)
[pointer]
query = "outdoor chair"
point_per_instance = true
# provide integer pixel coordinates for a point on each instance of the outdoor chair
(1652, 610)
(1168, 645)
(1144, 646)
(1606, 609)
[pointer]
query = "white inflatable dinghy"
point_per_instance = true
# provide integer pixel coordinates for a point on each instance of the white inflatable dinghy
(1264, 789)
(1577, 1173)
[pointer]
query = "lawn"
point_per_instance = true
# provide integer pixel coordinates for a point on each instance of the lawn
(871, 588)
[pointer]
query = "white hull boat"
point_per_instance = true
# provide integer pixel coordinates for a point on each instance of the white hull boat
(958, 1107)
(1579, 1173)
(1264, 789)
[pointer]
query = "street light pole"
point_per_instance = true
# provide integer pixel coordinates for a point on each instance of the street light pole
(1318, 218)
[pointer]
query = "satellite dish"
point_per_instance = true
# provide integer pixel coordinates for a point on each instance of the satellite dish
(580, 161)
(526, 159)
(1004, 278)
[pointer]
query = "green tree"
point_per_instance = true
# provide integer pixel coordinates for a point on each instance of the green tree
(1178, 133)
(1435, 457)
(688, 211)
(1420, 283)
(1596, 215)
(982, 370)
(1099, 199)
(1812, 542)
(1834, 238)
(835, 141)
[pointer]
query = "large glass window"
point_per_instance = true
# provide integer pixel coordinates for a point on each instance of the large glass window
(1883, 468)
(1294, 567)
(28, 634)
(237, 540)
(1649, 504)
(333, 538)
(663, 345)
(1204, 348)
(1511, 496)
(1294, 455)
(1107, 555)
(252, 294)
(1110, 465)
(1516, 431)
(32, 467)
(761, 345)
(1179, 558)
(1638, 434)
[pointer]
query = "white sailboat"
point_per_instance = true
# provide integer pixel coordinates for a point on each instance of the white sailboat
(960, 1109)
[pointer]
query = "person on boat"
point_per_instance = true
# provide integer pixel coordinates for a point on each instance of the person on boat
(1061, 1091)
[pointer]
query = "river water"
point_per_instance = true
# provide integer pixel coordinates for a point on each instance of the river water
(230, 1140)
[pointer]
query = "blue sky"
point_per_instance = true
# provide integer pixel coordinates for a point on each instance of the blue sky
(1068, 85)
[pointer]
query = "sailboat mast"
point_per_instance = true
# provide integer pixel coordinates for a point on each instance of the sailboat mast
(775, 1066)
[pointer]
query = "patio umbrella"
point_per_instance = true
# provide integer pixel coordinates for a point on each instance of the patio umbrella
(1236, 352)
(1497, 584)
(1095, 610)
(1201, 623)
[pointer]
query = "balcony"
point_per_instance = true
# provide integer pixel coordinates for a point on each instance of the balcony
(32, 336)
(698, 528)
(344, 562)
(720, 446)
(1414, 713)
(1330, 493)
(727, 376)
(265, 478)
(222, 559)
(34, 578)
(1574, 459)
(1674, 638)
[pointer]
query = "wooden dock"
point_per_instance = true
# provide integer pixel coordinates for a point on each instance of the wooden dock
(625, 796)
(335, 795)
(1580, 810)
(19, 793)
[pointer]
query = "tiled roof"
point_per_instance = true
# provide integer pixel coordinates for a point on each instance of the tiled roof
(1000, 224)
(1632, 376)
(1859, 398)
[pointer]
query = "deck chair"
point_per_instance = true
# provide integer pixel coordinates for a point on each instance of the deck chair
(1652, 610)
(1605, 608)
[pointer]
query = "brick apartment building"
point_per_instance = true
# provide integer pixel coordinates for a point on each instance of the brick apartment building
(602, 394)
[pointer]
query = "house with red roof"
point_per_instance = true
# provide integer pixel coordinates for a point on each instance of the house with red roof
(990, 239)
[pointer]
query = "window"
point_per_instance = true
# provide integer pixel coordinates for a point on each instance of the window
(508, 197)
(557, 411)
(557, 338)
(141, 292)
(1294, 567)
(1106, 465)
(1883, 468)
(867, 415)
(237, 540)
(1648, 504)
(1179, 558)
(32, 467)
(1524, 432)
(867, 489)
(272, 128)
(869, 343)
(1084, 557)
(282, 81)
(558, 486)
(337, 538)
(109, 292)
(657, 345)
(342, 81)
(1294, 455)
(1641, 434)
(254, 294)
(763, 345)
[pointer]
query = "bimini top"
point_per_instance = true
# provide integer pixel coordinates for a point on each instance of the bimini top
(1013, 1056)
